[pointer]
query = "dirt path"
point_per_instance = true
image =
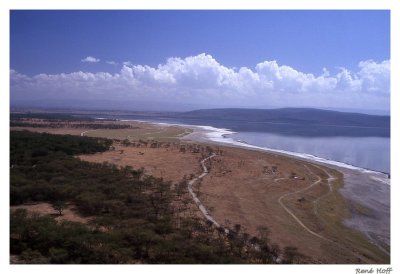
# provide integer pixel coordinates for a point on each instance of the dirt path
(330, 179)
(292, 214)
(212, 220)
(196, 199)
(186, 132)
(319, 180)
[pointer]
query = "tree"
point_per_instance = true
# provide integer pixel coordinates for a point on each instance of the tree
(137, 218)
(291, 255)
(126, 142)
(33, 257)
(58, 255)
(59, 206)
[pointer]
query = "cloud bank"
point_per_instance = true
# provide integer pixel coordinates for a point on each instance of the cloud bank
(201, 79)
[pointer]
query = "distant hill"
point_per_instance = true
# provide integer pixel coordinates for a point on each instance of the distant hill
(306, 122)
(298, 116)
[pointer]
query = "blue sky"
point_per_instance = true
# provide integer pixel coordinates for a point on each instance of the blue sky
(326, 43)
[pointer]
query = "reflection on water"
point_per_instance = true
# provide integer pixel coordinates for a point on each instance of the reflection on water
(286, 129)
(367, 152)
(367, 147)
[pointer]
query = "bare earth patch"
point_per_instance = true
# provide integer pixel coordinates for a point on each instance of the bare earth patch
(168, 163)
(138, 130)
(244, 187)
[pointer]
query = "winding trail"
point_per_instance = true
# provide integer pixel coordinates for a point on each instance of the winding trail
(293, 215)
(186, 132)
(329, 180)
(278, 259)
(207, 215)
(367, 233)
(315, 203)
(196, 199)
(204, 210)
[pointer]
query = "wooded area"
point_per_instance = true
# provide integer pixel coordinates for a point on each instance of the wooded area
(137, 218)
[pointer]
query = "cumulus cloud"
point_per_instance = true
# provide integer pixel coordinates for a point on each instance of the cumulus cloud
(375, 77)
(202, 79)
(90, 59)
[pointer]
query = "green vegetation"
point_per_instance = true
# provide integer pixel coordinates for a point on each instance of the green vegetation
(61, 120)
(59, 206)
(28, 149)
(49, 116)
(136, 218)
(59, 124)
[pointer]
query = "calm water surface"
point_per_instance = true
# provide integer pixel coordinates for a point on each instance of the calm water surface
(359, 146)
(367, 152)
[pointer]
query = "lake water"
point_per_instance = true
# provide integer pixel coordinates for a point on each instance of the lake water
(366, 147)
(362, 147)
(366, 152)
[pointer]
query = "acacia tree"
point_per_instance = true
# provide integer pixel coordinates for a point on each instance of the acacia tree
(59, 206)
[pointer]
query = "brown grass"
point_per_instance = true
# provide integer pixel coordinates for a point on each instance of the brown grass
(240, 191)
(141, 130)
(167, 163)
(244, 186)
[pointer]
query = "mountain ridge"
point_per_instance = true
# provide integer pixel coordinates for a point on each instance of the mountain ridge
(307, 116)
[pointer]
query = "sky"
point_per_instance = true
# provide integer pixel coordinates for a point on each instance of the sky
(180, 60)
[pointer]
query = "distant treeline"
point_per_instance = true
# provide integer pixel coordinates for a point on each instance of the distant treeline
(50, 117)
(137, 218)
(69, 125)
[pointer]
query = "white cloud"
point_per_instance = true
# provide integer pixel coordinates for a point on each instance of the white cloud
(127, 63)
(375, 77)
(112, 63)
(90, 59)
(202, 79)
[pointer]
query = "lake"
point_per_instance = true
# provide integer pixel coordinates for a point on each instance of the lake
(366, 147)
(366, 152)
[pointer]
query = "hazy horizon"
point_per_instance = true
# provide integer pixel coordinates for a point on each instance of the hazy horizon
(154, 107)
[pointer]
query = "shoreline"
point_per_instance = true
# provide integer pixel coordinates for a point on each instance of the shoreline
(362, 186)
(219, 135)
(367, 189)
(210, 134)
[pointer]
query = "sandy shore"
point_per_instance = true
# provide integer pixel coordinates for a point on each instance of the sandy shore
(367, 193)
(374, 220)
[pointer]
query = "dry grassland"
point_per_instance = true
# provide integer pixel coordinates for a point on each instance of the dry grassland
(251, 188)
